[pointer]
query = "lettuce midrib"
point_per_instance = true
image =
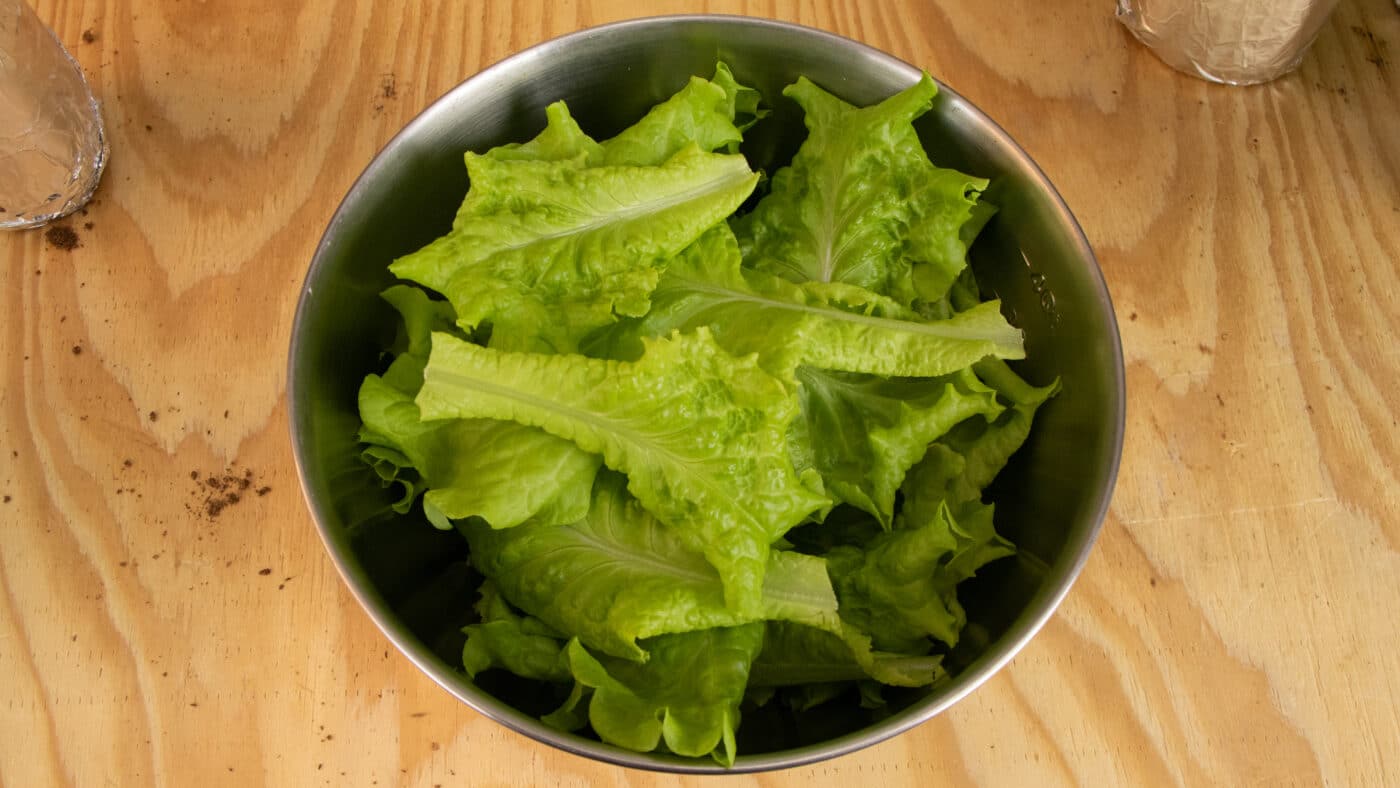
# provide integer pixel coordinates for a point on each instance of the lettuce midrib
(618, 554)
(601, 425)
(935, 330)
(645, 208)
(615, 553)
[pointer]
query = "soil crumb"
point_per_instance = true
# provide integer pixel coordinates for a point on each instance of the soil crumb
(211, 494)
(61, 236)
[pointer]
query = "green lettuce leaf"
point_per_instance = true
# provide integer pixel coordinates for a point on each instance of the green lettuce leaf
(796, 654)
(712, 114)
(546, 251)
(828, 325)
(867, 431)
(957, 468)
(619, 575)
(964, 294)
(937, 483)
(701, 435)
(837, 295)
(951, 215)
(581, 228)
(572, 714)
(501, 471)
(687, 695)
(561, 140)
(523, 645)
(899, 588)
(861, 202)
(704, 287)
(908, 348)
(394, 470)
(421, 316)
(743, 104)
(380, 430)
(1012, 387)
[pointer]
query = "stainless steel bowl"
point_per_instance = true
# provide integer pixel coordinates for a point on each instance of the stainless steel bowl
(414, 582)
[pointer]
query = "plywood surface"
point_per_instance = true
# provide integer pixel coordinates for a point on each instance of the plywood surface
(1236, 624)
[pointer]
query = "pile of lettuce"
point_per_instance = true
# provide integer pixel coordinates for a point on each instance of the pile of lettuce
(703, 455)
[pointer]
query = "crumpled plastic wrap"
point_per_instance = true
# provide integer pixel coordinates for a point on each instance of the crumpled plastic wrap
(52, 144)
(1236, 42)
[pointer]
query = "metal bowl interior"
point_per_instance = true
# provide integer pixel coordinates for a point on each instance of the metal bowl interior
(415, 582)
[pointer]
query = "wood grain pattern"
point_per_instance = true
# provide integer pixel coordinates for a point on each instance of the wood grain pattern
(1236, 624)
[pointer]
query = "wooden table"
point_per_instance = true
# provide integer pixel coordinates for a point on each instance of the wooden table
(1237, 623)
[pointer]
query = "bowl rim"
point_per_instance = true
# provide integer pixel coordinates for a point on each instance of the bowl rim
(1059, 578)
